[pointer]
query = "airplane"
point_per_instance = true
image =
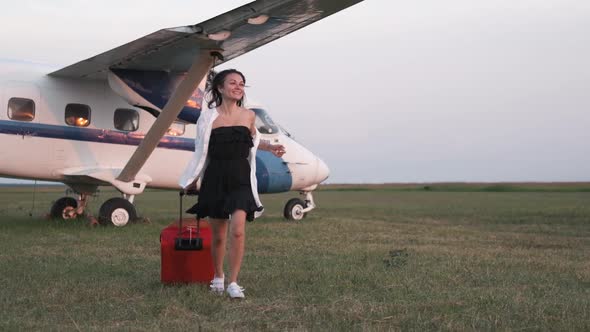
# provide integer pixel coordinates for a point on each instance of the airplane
(126, 118)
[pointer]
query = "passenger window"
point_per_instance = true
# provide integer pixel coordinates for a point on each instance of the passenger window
(21, 109)
(77, 115)
(176, 129)
(126, 119)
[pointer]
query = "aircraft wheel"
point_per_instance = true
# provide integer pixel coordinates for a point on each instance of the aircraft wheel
(117, 211)
(294, 209)
(62, 207)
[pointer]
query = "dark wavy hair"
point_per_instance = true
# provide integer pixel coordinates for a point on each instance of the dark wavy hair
(213, 95)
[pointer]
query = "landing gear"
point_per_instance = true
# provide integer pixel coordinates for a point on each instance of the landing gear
(296, 209)
(117, 211)
(67, 208)
(64, 208)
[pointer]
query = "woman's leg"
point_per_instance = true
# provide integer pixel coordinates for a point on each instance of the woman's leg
(218, 241)
(237, 229)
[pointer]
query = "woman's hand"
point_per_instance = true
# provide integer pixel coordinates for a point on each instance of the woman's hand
(278, 150)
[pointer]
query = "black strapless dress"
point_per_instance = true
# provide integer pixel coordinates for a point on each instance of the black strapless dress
(225, 186)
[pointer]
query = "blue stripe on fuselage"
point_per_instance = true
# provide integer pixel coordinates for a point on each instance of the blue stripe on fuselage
(271, 172)
(90, 135)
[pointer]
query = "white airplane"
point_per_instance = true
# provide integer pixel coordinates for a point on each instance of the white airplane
(126, 117)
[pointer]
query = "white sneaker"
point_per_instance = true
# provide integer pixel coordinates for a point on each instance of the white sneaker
(217, 285)
(235, 291)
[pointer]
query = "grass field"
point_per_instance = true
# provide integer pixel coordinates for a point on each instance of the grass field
(369, 258)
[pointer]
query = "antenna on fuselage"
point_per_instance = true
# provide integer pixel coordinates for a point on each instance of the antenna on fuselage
(34, 192)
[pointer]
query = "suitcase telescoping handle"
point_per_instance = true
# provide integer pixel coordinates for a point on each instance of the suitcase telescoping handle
(192, 243)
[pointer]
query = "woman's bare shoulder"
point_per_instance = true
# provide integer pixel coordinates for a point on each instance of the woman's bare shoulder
(249, 113)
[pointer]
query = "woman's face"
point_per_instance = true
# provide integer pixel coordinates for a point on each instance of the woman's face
(233, 87)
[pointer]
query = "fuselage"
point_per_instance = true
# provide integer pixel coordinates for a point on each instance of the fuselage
(42, 140)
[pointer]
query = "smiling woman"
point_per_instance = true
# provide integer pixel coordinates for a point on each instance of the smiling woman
(225, 162)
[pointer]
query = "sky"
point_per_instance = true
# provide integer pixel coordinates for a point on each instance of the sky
(384, 91)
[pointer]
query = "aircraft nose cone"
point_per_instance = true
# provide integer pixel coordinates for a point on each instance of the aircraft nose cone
(322, 171)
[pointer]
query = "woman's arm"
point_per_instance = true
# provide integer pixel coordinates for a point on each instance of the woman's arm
(276, 149)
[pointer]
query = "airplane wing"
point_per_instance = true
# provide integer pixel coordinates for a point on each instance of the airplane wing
(232, 34)
(193, 50)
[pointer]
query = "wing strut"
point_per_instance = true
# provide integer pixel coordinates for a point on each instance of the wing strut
(200, 67)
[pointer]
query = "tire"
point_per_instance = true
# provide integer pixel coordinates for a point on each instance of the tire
(62, 205)
(117, 211)
(293, 209)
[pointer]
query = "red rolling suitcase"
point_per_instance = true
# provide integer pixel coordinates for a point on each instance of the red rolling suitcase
(186, 252)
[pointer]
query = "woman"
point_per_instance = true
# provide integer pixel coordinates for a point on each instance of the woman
(225, 161)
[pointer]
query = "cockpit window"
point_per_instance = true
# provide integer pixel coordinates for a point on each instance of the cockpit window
(264, 123)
